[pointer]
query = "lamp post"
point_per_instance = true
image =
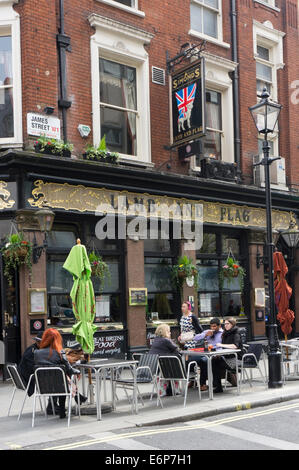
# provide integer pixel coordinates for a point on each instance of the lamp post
(265, 115)
(45, 219)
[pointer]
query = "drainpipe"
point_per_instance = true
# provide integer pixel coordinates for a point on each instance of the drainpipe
(236, 104)
(63, 45)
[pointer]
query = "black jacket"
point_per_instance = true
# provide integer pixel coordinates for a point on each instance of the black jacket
(42, 358)
(164, 347)
(26, 366)
(233, 336)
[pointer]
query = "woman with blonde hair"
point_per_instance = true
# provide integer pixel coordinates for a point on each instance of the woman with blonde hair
(164, 346)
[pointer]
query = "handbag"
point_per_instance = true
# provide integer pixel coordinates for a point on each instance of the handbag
(187, 336)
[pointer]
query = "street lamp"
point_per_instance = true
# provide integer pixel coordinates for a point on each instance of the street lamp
(45, 219)
(265, 115)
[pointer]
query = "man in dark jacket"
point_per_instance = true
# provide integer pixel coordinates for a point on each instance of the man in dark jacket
(26, 366)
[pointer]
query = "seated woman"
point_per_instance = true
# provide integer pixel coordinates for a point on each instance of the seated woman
(51, 353)
(164, 346)
(231, 339)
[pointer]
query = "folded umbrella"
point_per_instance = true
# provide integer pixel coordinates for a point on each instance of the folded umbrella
(283, 293)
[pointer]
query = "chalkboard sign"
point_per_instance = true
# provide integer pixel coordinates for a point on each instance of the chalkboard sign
(107, 344)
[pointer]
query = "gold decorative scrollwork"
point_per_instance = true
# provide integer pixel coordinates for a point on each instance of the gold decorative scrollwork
(4, 195)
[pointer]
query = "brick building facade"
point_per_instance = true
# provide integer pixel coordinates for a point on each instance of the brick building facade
(103, 64)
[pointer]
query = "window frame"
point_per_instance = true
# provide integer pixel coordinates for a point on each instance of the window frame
(130, 9)
(219, 39)
(123, 43)
(10, 21)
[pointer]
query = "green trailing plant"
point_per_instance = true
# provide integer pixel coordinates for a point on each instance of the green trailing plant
(99, 268)
(53, 146)
(181, 271)
(16, 252)
(230, 271)
(100, 153)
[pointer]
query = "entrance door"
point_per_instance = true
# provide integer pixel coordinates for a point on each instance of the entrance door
(10, 332)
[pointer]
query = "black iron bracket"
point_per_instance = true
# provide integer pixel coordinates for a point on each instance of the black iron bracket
(187, 51)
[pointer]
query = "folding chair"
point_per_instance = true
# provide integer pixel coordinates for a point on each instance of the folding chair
(171, 368)
(19, 384)
(50, 382)
(146, 373)
(250, 361)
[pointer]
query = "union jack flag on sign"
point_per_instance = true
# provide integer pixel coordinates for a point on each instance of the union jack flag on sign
(185, 97)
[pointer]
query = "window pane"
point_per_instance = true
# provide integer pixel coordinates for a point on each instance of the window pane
(158, 274)
(129, 3)
(210, 23)
(229, 243)
(263, 52)
(231, 304)
(209, 243)
(5, 60)
(163, 303)
(108, 308)
(196, 17)
(213, 110)
(263, 71)
(58, 278)
(208, 278)
(212, 3)
(120, 129)
(260, 85)
(117, 84)
(60, 239)
(260, 147)
(208, 305)
(212, 145)
(6, 94)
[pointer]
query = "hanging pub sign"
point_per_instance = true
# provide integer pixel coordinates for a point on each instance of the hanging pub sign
(188, 103)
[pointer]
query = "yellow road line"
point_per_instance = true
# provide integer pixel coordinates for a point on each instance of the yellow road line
(204, 425)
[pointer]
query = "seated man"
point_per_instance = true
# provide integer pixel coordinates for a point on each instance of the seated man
(212, 336)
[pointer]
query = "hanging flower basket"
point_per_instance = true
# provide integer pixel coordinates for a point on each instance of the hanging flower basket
(183, 270)
(99, 268)
(16, 252)
(231, 270)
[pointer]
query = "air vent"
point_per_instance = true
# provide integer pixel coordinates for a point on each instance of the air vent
(158, 76)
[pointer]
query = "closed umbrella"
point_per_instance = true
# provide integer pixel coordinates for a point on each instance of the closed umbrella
(82, 295)
(283, 293)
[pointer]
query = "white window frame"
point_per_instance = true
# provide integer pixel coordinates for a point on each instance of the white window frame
(270, 4)
(219, 40)
(269, 63)
(133, 9)
(217, 79)
(266, 36)
(122, 43)
(10, 21)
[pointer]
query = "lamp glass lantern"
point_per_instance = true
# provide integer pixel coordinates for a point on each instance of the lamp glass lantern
(45, 219)
(265, 114)
(291, 236)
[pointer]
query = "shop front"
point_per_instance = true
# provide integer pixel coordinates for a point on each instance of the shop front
(83, 202)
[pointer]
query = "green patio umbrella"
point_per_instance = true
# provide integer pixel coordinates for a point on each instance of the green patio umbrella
(82, 295)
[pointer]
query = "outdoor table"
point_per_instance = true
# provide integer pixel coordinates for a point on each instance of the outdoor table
(100, 365)
(209, 355)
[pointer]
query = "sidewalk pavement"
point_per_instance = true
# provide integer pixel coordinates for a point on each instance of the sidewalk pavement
(16, 434)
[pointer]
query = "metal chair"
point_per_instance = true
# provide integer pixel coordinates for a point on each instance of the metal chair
(19, 384)
(50, 382)
(146, 373)
(171, 368)
(250, 360)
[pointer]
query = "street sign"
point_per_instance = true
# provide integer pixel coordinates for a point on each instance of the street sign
(39, 124)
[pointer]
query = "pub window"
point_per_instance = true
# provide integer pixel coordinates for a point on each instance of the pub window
(118, 106)
(204, 17)
(214, 299)
(6, 85)
(158, 261)
(212, 139)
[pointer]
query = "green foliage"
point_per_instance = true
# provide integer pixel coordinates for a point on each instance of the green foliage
(232, 270)
(52, 146)
(99, 268)
(185, 268)
(16, 252)
(100, 153)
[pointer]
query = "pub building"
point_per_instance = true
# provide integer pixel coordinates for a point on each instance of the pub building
(233, 223)
(172, 99)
